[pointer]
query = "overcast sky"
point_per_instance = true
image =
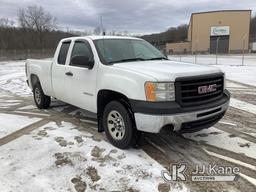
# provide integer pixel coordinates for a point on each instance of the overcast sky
(139, 16)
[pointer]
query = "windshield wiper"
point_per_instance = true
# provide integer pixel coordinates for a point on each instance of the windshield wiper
(127, 60)
(158, 58)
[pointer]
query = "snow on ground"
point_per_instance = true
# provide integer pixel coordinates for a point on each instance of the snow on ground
(28, 107)
(223, 140)
(61, 158)
(230, 64)
(7, 105)
(242, 105)
(13, 78)
(16, 85)
(242, 74)
(11, 123)
(233, 85)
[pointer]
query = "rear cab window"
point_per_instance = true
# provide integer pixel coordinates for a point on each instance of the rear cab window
(63, 52)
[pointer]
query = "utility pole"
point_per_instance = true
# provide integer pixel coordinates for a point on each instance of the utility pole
(196, 51)
(158, 38)
(101, 24)
(217, 48)
(180, 52)
(243, 50)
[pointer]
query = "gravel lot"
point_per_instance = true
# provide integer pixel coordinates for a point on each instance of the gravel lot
(59, 149)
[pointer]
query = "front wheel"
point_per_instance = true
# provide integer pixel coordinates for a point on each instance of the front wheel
(42, 101)
(118, 125)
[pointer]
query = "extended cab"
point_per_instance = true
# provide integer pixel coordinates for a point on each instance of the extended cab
(130, 85)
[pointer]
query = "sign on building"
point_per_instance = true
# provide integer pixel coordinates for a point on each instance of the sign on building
(219, 30)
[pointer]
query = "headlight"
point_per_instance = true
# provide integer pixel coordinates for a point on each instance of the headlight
(160, 91)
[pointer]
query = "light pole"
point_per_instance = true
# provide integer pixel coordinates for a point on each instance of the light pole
(196, 51)
(180, 51)
(243, 50)
(217, 48)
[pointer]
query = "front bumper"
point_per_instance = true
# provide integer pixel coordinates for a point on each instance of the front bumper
(152, 117)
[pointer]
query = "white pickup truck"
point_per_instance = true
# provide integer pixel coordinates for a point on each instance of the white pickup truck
(130, 85)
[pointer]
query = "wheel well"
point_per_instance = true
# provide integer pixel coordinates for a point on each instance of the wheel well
(106, 96)
(34, 79)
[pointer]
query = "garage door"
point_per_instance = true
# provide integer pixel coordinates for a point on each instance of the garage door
(222, 42)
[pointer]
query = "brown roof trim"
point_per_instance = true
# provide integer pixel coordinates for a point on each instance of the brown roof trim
(233, 10)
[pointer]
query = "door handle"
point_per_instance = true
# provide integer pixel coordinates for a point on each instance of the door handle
(69, 73)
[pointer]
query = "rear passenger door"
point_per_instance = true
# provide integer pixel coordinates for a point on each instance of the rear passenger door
(59, 70)
(81, 82)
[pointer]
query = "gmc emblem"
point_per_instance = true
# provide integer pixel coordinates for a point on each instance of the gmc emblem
(207, 89)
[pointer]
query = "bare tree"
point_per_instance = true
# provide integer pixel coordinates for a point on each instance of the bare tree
(5, 25)
(5, 22)
(37, 19)
(97, 31)
(173, 34)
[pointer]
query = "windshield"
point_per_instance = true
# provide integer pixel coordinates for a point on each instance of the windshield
(124, 50)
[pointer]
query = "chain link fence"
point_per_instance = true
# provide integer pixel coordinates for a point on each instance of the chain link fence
(219, 52)
(217, 59)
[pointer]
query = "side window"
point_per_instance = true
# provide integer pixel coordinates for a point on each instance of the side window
(63, 53)
(82, 48)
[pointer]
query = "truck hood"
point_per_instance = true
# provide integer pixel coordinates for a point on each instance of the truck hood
(167, 70)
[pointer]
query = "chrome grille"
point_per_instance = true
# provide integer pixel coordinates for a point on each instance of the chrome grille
(187, 89)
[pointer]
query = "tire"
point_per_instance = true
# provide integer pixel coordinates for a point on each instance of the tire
(42, 101)
(118, 125)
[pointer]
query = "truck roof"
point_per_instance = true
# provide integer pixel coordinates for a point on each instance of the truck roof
(96, 37)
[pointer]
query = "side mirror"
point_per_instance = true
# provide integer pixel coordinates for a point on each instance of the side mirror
(82, 61)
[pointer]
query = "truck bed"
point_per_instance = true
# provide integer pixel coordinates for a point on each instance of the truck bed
(42, 69)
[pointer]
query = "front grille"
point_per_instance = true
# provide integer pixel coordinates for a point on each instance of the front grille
(187, 89)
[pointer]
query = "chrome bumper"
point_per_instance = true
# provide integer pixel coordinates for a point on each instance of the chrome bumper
(154, 123)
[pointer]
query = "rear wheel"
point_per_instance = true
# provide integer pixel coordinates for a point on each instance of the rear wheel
(42, 101)
(118, 125)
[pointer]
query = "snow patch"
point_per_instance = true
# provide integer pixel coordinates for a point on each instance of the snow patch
(12, 123)
(223, 140)
(230, 64)
(13, 78)
(242, 105)
(28, 107)
(53, 156)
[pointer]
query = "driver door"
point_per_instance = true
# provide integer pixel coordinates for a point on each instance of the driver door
(81, 81)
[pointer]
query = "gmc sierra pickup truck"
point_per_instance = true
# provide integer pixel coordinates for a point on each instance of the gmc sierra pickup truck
(130, 85)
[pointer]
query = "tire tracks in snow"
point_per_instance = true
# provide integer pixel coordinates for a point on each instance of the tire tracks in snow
(23, 131)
